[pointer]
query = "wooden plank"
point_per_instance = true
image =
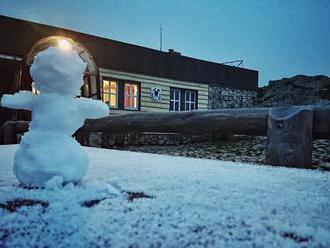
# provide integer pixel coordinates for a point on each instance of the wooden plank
(147, 96)
(165, 99)
(150, 109)
(155, 105)
(205, 101)
(144, 79)
(172, 83)
(201, 95)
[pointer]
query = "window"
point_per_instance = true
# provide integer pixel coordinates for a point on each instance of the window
(131, 96)
(190, 100)
(175, 99)
(110, 93)
(183, 100)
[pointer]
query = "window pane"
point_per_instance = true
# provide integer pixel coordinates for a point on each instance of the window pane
(135, 90)
(193, 96)
(113, 101)
(127, 90)
(127, 95)
(171, 105)
(192, 106)
(106, 86)
(135, 103)
(187, 95)
(187, 107)
(176, 106)
(127, 102)
(113, 88)
(106, 98)
(177, 94)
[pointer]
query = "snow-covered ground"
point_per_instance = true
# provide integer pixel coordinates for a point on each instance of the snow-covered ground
(196, 202)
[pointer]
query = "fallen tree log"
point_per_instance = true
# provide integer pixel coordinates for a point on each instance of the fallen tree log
(247, 121)
(238, 121)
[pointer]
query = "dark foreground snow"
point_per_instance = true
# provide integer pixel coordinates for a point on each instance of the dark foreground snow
(195, 202)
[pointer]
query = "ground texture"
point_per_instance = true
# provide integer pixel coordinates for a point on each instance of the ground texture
(251, 150)
(131, 199)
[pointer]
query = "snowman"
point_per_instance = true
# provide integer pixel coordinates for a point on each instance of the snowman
(48, 150)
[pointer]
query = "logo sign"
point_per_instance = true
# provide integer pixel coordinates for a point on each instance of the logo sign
(155, 94)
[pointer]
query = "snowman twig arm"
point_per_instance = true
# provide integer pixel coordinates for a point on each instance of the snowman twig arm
(22, 100)
(92, 109)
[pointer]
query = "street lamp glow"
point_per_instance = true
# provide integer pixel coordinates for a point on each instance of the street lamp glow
(64, 44)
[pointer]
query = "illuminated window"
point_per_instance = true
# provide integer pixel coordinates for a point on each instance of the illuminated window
(110, 93)
(131, 96)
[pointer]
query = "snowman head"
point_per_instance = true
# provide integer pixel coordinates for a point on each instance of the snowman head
(56, 70)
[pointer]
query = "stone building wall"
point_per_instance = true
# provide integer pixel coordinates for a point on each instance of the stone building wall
(222, 97)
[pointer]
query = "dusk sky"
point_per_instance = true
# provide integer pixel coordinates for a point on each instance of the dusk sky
(277, 38)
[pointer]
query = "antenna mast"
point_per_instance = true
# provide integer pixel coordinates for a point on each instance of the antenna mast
(161, 38)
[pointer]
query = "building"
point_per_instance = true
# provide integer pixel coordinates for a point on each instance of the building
(127, 77)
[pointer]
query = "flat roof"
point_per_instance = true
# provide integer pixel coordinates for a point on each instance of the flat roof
(18, 36)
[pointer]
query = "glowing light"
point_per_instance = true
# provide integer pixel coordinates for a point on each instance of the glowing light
(64, 44)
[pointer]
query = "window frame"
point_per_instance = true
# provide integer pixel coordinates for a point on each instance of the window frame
(174, 101)
(190, 102)
(131, 83)
(109, 93)
(182, 99)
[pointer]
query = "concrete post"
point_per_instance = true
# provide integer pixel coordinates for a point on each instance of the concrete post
(290, 137)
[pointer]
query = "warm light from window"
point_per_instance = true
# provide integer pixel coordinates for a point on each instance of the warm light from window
(110, 93)
(131, 96)
(64, 44)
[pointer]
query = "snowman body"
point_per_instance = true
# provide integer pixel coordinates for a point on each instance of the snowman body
(48, 149)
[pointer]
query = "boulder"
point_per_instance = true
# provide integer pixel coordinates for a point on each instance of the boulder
(298, 90)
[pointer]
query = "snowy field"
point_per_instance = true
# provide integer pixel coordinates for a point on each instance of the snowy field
(186, 202)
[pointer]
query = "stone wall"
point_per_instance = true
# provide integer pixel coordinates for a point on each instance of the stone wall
(221, 97)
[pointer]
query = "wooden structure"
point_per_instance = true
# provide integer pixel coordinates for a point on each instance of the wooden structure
(289, 131)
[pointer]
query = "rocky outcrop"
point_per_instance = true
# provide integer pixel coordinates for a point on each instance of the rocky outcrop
(298, 90)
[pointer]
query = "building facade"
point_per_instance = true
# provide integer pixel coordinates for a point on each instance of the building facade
(127, 77)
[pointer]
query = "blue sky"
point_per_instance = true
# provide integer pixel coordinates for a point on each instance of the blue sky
(278, 38)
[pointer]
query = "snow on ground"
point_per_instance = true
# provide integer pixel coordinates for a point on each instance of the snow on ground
(197, 202)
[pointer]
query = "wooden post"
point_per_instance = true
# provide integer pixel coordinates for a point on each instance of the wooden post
(9, 133)
(290, 137)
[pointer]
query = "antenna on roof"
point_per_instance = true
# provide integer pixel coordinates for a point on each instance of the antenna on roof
(237, 63)
(161, 37)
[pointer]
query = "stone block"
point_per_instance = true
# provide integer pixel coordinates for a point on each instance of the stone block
(290, 137)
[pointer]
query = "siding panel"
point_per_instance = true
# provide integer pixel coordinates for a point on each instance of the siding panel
(148, 82)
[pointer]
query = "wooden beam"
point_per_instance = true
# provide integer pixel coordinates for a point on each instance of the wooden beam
(247, 121)
(238, 121)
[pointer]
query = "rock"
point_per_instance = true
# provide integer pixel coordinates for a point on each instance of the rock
(298, 90)
(289, 137)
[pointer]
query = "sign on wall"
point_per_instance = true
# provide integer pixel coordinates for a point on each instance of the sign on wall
(155, 94)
